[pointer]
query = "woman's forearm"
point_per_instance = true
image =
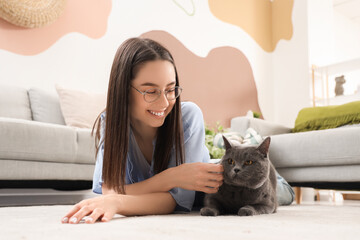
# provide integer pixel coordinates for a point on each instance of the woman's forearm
(161, 182)
(146, 204)
(205, 177)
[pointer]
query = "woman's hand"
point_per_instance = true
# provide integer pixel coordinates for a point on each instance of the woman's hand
(204, 177)
(101, 208)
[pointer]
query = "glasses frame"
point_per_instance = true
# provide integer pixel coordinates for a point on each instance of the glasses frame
(158, 96)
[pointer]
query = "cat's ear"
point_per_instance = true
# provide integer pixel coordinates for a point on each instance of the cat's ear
(226, 143)
(264, 147)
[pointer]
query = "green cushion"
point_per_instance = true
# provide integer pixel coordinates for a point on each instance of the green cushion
(317, 118)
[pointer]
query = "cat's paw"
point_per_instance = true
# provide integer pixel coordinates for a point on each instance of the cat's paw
(246, 211)
(207, 211)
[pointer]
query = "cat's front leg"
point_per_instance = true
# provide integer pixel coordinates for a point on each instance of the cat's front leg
(211, 207)
(209, 211)
(251, 210)
(247, 211)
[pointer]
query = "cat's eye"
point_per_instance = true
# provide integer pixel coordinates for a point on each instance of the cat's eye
(248, 162)
(231, 161)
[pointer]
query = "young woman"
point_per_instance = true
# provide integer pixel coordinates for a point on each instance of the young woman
(151, 154)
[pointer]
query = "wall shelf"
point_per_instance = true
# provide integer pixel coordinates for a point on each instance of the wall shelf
(320, 76)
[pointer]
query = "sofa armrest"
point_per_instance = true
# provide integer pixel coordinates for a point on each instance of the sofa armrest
(264, 128)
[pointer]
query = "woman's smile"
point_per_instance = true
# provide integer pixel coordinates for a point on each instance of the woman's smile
(157, 113)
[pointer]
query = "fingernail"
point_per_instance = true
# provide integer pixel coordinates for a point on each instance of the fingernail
(73, 220)
(65, 220)
(104, 219)
(89, 219)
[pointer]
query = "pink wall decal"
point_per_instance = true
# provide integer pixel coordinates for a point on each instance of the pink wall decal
(222, 83)
(88, 17)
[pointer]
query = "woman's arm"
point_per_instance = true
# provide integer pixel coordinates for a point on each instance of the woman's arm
(147, 197)
(161, 182)
(158, 183)
(205, 177)
(104, 208)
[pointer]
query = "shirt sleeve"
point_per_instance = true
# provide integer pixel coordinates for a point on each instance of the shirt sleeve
(195, 151)
(97, 177)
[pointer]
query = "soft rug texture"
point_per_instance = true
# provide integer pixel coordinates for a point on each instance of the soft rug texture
(315, 221)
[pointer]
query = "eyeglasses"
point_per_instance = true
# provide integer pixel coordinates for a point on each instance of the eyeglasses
(153, 94)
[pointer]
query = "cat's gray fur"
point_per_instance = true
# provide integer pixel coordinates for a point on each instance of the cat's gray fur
(247, 189)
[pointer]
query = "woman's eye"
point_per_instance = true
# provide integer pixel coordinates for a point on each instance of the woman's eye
(230, 161)
(151, 91)
(248, 162)
(171, 90)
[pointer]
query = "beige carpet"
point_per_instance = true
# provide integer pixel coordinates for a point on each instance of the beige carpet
(306, 221)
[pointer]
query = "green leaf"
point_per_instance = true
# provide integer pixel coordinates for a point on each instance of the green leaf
(210, 133)
(256, 114)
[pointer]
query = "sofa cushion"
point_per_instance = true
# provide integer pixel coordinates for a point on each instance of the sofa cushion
(45, 107)
(264, 128)
(345, 173)
(35, 170)
(36, 141)
(80, 109)
(14, 102)
(86, 146)
(331, 147)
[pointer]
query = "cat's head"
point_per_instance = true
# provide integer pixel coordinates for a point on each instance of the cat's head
(246, 166)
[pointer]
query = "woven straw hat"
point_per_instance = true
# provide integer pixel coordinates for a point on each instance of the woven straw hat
(30, 13)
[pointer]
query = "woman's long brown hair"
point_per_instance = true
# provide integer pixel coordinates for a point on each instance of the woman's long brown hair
(128, 60)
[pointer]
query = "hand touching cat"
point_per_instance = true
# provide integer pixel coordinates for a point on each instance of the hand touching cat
(204, 177)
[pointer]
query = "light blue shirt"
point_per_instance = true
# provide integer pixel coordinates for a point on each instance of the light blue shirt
(138, 169)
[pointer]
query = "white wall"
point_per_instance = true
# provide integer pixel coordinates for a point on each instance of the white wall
(79, 62)
(346, 38)
(320, 32)
(347, 47)
(291, 65)
(333, 38)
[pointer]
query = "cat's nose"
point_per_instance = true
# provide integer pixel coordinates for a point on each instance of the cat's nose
(236, 170)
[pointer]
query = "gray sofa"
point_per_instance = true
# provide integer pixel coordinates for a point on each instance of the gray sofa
(320, 159)
(37, 149)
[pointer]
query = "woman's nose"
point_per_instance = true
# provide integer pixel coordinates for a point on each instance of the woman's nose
(163, 101)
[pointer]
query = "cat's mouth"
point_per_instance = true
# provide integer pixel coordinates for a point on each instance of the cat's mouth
(241, 180)
(233, 179)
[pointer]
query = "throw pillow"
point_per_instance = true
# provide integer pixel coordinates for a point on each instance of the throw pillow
(45, 107)
(317, 118)
(80, 109)
(14, 102)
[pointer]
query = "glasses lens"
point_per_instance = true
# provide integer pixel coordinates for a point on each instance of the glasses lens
(173, 93)
(152, 94)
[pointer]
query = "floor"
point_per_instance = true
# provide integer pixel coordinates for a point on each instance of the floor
(33, 197)
(310, 220)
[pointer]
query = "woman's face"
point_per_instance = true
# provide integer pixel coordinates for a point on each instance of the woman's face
(154, 74)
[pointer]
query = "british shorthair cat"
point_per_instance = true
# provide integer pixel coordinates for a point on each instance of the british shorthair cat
(249, 186)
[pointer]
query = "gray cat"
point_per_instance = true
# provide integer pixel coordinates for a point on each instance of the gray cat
(249, 186)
